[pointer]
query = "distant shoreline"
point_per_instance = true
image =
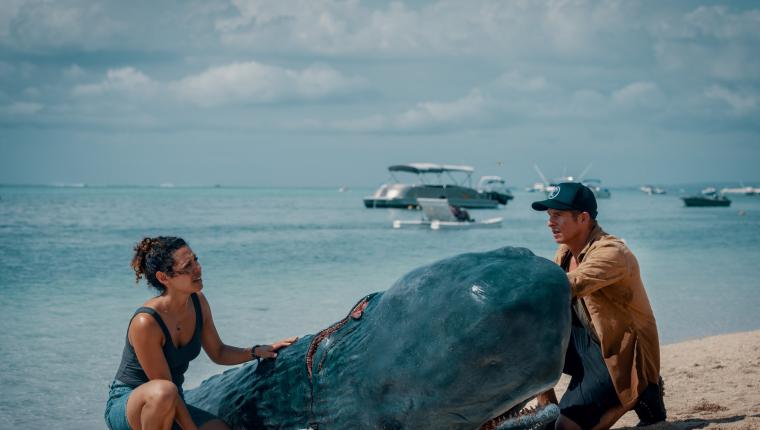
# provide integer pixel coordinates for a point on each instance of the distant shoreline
(517, 186)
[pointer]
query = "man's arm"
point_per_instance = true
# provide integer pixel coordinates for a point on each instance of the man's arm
(604, 265)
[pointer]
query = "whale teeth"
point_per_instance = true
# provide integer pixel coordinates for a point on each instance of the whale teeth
(512, 414)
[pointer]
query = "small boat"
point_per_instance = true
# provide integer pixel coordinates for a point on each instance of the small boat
(459, 192)
(741, 190)
(596, 187)
(537, 187)
(702, 201)
(709, 197)
(496, 188)
(438, 215)
(652, 190)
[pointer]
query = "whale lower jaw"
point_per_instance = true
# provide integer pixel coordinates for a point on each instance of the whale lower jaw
(524, 419)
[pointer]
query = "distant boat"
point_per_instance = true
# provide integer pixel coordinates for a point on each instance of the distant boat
(538, 187)
(438, 215)
(595, 185)
(709, 197)
(702, 201)
(495, 187)
(459, 192)
(166, 185)
(749, 191)
(652, 190)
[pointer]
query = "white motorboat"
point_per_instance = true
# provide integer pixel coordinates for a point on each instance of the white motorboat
(538, 187)
(596, 187)
(496, 186)
(652, 190)
(740, 190)
(438, 215)
(444, 185)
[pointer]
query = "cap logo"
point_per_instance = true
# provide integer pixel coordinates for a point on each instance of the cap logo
(554, 193)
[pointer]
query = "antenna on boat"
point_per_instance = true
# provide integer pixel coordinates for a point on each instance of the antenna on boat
(580, 177)
(541, 174)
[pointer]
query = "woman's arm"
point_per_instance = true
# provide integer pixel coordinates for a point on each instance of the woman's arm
(145, 336)
(220, 353)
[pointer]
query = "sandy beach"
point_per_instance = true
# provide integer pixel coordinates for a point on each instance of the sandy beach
(710, 383)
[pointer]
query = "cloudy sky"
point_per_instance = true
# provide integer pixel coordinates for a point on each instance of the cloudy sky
(329, 93)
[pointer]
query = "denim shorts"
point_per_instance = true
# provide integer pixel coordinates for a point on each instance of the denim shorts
(116, 408)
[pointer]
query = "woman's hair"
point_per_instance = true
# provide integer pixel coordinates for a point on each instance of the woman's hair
(154, 254)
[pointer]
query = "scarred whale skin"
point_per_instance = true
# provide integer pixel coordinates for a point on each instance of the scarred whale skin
(449, 346)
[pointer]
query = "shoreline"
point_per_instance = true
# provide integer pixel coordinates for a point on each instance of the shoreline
(711, 382)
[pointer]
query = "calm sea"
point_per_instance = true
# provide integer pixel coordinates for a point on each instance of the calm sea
(281, 262)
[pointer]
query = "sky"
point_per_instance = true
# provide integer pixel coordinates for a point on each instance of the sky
(329, 93)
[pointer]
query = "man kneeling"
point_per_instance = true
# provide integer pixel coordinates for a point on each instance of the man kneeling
(613, 356)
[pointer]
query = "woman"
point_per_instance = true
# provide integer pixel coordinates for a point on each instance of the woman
(163, 336)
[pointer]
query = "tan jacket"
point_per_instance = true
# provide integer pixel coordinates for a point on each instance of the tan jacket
(608, 284)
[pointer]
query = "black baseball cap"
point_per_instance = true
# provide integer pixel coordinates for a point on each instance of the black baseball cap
(569, 196)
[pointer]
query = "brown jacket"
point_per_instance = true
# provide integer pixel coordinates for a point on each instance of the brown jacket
(608, 284)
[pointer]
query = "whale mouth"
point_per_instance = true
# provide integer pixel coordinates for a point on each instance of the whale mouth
(524, 418)
(460, 417)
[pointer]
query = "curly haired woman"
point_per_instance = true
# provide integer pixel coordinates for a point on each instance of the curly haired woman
(163, 336)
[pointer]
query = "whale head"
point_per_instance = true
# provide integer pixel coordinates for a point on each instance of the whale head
(449, 345)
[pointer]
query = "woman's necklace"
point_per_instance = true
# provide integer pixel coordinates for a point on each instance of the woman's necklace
(177, 324)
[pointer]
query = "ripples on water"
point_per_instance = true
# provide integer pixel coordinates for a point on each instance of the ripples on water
(284, 262)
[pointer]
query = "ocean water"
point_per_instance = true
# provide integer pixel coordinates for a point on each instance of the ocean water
(281, 262)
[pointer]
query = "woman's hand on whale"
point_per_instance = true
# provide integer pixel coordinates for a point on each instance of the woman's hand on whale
(270, 351)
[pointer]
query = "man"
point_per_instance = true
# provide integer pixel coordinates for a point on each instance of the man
(460, 214)
(613, 356)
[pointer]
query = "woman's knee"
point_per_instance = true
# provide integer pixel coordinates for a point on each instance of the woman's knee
(161, 393)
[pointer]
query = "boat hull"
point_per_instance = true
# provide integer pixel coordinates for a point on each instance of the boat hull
(459, 225)
(404, 196)
(448, 225)
(601, 193)
(705, 202)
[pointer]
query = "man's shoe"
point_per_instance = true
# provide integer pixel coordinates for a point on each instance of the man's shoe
(651, 406)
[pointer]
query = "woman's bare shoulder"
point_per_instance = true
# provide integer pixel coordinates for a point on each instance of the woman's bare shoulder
(144, 326)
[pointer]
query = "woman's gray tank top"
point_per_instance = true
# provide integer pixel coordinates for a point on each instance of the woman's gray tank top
(131, 372)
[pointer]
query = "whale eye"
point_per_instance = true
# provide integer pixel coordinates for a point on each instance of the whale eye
(478, 292)
(492, 361)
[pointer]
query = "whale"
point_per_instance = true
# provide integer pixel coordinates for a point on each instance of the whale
(462, 343)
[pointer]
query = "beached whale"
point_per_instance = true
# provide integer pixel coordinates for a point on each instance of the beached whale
(451, 345)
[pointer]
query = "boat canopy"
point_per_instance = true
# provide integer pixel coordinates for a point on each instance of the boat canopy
(420, 168)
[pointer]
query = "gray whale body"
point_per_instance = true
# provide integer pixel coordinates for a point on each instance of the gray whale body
(450, 345)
